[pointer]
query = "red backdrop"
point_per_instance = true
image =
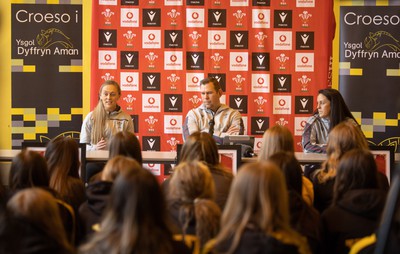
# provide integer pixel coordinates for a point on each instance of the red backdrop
(271, 58)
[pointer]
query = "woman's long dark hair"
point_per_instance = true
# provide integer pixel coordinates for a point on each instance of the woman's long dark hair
(135, 217)
(356, 170)
(339, 109)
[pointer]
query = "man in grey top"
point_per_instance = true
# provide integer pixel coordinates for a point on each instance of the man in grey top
(212, 116)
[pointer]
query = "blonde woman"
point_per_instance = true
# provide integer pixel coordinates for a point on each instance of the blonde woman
(191, 201)
(276, 139)
(256, 216)
(279, 139)
(106, 119)
(35, 225)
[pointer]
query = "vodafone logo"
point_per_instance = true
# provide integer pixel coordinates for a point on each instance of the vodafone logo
(129, 15)
(151, 100)
(282, 102)
(151, 37)
(173, 58)
(151, 165)
(258, 144)
(195, 15)
(282, 38)
(195, 80)
(107, 57)
(129, 79)
(260, 81)
(239, 59)
(217, 37)
(304, 59)
(261, 16)
(303, 124)
(173, 122)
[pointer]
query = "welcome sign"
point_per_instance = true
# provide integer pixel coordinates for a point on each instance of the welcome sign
(46, 71)
(370, 70)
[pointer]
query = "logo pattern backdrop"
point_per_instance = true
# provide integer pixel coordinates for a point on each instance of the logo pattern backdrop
(269, 56)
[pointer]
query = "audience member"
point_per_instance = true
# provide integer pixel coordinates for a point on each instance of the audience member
(122, 143)
(135, 219)
(106, 119)
(304, 218)
(212, 116)
(357, 203)
(344, 137)
(62, 155)
(279, 139)
(190, 202)
(201, 146)
(256, 217)
(98, 192)
(33, 225)
(331, 110)
(29, 169)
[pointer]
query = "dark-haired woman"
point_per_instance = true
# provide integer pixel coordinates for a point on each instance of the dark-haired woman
(357, 203)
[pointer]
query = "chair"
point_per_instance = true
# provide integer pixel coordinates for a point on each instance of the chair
(388, 234)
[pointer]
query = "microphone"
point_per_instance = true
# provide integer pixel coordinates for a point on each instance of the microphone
(247, 151)
(211, 124)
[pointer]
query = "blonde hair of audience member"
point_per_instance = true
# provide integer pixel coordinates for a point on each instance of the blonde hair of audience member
(193, 185)
(100, 114)
(343, 137)
(258, 197)
(40, 208)
(275, 139)
(126, 143)
(114, 167)
(135, 217)
(202, 147)
(62, 155)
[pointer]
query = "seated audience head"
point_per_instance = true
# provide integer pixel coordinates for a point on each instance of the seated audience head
(343, 137)
(202, 147)
(275, 139)
(28, 169)
(192, 187)
(115, 166)
(258, 199)
(135, 217)
(39, 208)
(332, 105)
(356, 170)
(62, 155)
(191, 180)
(126, 143)
(291, 169)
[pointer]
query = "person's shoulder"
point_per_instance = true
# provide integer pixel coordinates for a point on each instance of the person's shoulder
(225, 107)
(313, 118)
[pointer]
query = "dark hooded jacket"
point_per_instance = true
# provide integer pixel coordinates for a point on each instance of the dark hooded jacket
(356, 215)
(91, 211)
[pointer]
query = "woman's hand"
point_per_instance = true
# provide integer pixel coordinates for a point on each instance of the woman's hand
(101, 145)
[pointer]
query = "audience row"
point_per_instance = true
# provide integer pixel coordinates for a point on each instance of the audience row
(268, 207)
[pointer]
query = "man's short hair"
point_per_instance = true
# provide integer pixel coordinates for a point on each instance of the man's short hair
(215, 82)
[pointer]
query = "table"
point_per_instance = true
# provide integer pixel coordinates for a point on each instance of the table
(162, 157)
